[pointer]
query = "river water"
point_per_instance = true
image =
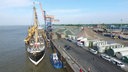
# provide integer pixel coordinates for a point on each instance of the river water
(12, 49)
(13, 56)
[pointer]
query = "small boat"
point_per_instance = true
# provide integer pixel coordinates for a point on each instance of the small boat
(56, 62)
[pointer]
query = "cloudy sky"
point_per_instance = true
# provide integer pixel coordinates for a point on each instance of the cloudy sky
(19, 12)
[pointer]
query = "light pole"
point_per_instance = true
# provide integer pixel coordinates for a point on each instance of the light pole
(121, 22)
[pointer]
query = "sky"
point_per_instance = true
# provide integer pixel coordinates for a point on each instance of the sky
(20, 12)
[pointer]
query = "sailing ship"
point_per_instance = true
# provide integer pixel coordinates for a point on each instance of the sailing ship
(35, 42)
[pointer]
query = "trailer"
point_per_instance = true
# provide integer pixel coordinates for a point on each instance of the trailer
(113, 51)
(120, 55)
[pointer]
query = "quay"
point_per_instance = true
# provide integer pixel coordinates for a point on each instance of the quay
(76, 59)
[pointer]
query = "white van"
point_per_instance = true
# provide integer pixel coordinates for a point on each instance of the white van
(80, 44)
(117, 62)
(106, 57)
(93, 51)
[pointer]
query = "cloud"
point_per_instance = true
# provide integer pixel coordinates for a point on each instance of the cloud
(15, 12)
(66, 15)
(64, 11)
(92, 17)
(10, 19)
(15, 3)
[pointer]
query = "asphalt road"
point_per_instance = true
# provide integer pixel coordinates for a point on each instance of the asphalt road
(87, 59)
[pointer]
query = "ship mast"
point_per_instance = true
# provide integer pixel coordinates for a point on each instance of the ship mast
(35, 24)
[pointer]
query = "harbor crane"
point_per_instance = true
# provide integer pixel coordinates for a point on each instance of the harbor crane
(48, 19)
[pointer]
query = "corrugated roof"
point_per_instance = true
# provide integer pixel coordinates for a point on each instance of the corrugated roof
(74, 29)
(61, 30)
(69, 32)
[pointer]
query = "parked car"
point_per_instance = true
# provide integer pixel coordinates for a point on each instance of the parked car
(120, 64)
(93, 51)
(106, 57)
(80, 44)
(117, 62)
(68, 40)
(67, 47)
(48, 40)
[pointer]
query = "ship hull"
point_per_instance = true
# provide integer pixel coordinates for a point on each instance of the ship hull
(37, 57)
